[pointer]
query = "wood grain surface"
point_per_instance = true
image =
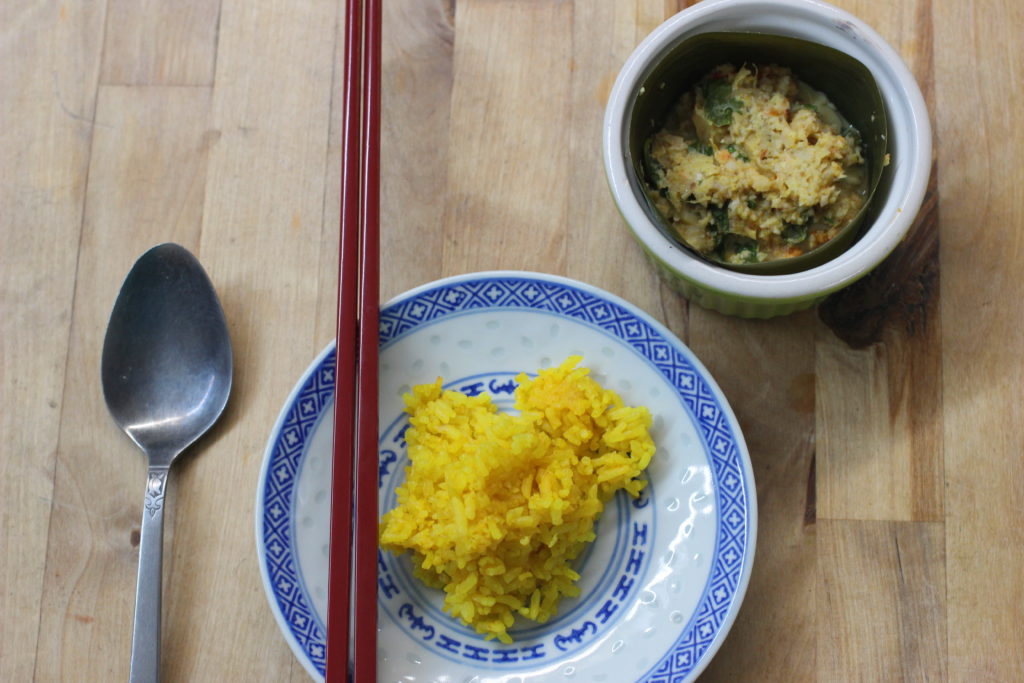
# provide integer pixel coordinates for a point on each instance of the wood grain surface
(886, 427)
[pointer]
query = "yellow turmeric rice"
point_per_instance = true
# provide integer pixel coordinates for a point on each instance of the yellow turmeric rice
(496, 506)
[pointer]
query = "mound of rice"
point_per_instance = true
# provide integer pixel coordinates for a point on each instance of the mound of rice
(495, 506)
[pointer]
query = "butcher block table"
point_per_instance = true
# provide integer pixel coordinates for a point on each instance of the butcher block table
(885, 427)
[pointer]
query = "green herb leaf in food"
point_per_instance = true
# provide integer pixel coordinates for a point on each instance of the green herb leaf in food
(652, 167)
(737, 152)
(794, 234)
(701, 148)
(718, 226)
(735, 248)
(719, 103)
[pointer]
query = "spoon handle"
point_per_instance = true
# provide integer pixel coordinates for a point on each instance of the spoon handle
(146, 630)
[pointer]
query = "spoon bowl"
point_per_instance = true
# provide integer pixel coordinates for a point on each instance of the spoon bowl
(166, 374)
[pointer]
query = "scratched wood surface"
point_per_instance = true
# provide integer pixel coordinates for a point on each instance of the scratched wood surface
(885, 428)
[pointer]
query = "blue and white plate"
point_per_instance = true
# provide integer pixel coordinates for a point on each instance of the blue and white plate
(662, 583)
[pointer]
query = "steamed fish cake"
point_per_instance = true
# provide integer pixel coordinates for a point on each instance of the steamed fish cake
(754, 165)
(495, 506)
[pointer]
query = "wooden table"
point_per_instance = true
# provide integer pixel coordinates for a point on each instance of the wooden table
(885, 428)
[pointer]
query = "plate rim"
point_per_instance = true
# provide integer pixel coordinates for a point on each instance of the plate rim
(743, 452)
(261, 551)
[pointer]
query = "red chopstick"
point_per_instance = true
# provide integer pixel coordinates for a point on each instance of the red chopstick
(355, 406)
(365, 619)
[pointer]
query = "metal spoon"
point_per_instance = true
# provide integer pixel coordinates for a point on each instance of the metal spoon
(166, 373)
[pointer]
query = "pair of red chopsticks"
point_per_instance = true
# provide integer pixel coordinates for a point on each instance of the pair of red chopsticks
(352, 604)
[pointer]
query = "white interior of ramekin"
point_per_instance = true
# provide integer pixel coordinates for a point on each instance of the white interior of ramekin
(910, 146)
